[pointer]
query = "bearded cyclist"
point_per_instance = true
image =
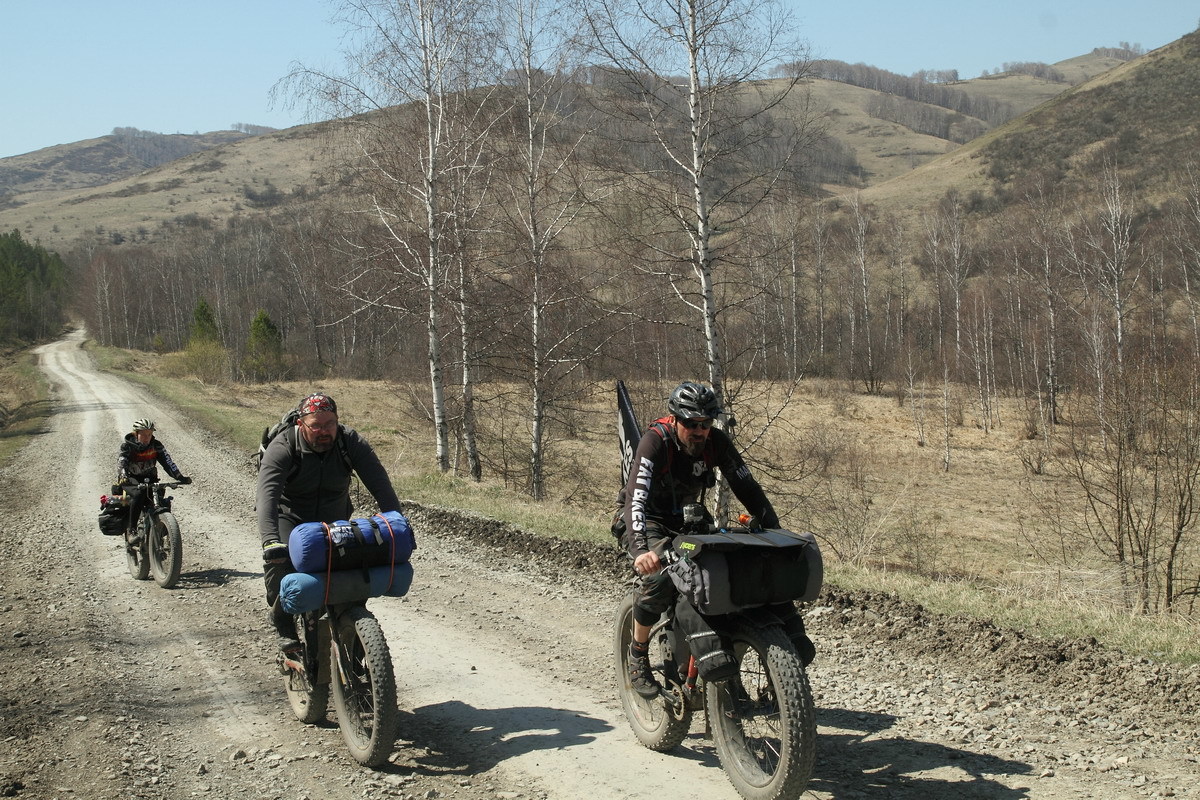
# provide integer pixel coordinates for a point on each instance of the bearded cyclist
(305, 477)
(676, 461)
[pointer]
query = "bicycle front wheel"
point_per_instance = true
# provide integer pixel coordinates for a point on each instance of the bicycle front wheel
(763, 718)
(307, 689)
(166, 550)
(656, 723)
(364, 687)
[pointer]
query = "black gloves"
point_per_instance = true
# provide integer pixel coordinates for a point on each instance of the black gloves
(275, 553)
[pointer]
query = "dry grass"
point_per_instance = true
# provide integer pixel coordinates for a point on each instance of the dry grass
(23, 395)
(963, 541)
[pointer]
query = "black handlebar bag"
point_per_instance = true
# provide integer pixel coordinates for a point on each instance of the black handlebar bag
(726, 572)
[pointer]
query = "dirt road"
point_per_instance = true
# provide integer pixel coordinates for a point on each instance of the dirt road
(111, 688)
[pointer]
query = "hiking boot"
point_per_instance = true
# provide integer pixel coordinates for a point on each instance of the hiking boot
(285, 626)
(642, 678)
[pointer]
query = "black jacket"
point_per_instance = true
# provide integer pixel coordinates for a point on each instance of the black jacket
(140, 461)
(664, 478)
(296, 482)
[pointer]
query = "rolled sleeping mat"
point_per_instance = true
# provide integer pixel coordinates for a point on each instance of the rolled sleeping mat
(348, 544)
(300, 592)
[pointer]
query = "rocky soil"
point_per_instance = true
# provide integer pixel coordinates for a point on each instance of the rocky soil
(113, 688)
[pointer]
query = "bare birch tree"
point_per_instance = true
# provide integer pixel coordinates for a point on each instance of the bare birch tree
(545, 190)
(417, 125)
(691, 75)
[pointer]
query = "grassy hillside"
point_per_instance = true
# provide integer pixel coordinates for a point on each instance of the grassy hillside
(1141, 113)
(95, 162)
(206, 188)
(884, 149)
(95, 189)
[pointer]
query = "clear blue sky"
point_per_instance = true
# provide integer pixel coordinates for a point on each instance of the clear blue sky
(75, 69)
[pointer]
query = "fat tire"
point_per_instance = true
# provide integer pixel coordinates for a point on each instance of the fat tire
(768, 754)
(364, 687)
(165, 545)
(135, 557)
(656, 724)
(308, 695)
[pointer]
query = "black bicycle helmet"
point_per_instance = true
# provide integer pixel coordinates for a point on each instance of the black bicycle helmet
(143, 424)
(693, 401)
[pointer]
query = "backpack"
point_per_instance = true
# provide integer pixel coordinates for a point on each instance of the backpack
(288, 423)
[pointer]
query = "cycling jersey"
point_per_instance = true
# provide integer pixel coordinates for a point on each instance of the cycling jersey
(140, 461)
(664, 478)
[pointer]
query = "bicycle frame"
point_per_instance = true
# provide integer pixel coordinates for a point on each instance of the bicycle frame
(309, 661)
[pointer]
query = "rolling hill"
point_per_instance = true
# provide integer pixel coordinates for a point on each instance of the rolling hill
(1141, 116)
(98, 190)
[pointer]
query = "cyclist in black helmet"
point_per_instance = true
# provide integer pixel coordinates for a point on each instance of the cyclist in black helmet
(676, 461)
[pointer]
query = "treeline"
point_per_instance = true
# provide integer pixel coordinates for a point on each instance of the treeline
(153, 149)
(1034, 69)
(1125, 51)
(926, 119)
(916, 88)
(33, 290)
(252, 130)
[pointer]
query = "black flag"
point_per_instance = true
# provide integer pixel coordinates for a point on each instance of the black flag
(628, 431)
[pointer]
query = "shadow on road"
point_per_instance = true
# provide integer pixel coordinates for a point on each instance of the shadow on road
(208, 578)
(463, 740)
(852, 764)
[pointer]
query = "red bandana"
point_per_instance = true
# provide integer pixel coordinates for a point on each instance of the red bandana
(317, 402)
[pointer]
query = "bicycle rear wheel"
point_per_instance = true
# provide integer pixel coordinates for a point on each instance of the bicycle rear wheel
(166, 550)
(364, 687)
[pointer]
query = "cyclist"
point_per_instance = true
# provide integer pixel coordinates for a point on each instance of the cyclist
(305, 476)
(137, 462)
(676, 460)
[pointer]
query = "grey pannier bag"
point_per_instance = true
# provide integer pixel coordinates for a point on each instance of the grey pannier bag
(725, 572)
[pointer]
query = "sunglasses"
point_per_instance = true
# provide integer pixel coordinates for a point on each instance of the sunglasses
(693, 424)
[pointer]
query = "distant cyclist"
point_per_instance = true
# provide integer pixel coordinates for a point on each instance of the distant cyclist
(138, 461)
(676, 460)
